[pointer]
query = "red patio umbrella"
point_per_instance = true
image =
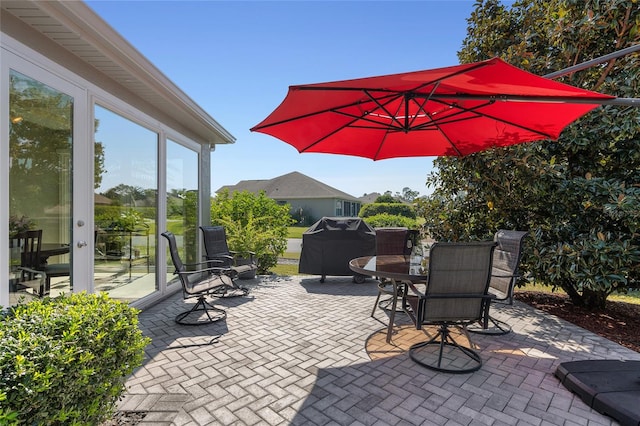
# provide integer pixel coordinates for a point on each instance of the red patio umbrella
(455, 110)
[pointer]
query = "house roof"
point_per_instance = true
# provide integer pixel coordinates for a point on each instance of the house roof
(369, 198)
(80, 31)
(290, 186)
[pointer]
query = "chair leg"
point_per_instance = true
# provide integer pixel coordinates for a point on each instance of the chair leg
(499, 328)
(229, 288)
(203, 313)
(468, 361)
(375, 305)
(392, 318)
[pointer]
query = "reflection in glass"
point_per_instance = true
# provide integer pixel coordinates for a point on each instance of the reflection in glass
(40, 146)
(182, 203)
(125, 204)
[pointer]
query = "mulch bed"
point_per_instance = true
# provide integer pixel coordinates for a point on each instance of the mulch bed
(618, 322)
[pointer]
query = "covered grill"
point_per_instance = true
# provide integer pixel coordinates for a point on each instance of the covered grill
(330, 243)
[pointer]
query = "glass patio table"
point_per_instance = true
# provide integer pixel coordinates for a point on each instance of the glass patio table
(52, 249)
(395, 268)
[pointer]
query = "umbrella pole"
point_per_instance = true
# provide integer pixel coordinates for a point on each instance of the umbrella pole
(587, 64)
(592, 62)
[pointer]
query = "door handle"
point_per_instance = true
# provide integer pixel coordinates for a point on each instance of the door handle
(81, 244)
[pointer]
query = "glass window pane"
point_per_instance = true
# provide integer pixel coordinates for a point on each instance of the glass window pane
(182, 203)
(126, 201)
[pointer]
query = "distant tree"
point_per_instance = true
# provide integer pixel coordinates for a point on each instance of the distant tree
(386, 198)
(407, 195)
(127, 195)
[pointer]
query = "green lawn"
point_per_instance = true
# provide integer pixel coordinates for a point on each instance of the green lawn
(285, 269)
(296, 231)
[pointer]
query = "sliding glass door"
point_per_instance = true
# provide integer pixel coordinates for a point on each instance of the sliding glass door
(40, 186)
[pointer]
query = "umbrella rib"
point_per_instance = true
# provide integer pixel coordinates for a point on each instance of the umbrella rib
(391, 97)
(355, 118)
(389, 113)
(511, 123)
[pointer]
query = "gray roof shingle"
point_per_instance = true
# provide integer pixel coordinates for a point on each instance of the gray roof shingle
(289, 186)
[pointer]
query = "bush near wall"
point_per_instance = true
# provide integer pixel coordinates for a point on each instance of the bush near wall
(385, 220)
(253, 223)
(396, 209)
(64, 360)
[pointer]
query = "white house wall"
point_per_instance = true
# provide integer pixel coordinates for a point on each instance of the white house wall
(43, 54)
(314, 208)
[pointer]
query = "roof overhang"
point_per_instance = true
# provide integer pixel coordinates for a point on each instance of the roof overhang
(79, 30)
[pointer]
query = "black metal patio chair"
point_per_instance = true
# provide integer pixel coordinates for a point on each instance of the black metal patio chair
(456, 295)
(36, 273)
(200, 280)
(504, 276)
(394, 241)
(217, 250)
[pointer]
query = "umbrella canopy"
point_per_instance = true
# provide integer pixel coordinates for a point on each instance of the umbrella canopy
(455, 110)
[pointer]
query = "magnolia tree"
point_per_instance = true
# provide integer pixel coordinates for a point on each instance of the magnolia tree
(579, 197)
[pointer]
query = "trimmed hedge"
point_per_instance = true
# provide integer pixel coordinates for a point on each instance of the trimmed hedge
(396, 209)
(64, 360)
(386, 220)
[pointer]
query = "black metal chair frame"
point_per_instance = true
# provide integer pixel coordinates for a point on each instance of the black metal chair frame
(506, 261)
(32, 266)
(217, 250)
(439, 303)
(200, 280)
(395, 241)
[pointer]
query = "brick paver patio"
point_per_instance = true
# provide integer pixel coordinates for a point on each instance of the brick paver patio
(294, 352)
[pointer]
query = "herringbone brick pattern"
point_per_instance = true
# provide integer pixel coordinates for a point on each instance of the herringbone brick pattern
(293, 352)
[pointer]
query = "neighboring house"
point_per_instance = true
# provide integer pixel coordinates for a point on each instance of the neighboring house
(84, 113)
(309, 199)
(369, 198)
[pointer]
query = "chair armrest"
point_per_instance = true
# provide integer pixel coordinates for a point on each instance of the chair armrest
(462, 296)
(199, 265)
(415, 290)
(251, 255)
(214, 269)
(219, 257)
(506, 275)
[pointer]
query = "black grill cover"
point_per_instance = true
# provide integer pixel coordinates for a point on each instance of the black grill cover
(330, 243)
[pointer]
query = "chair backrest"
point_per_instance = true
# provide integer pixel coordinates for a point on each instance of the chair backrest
(394, 241)
(458, 279)
(506, 260)
(173, 251)
(188, 281)
(30, 243)
(215, 241)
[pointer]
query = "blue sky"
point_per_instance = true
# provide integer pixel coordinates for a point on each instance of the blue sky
(236, 59)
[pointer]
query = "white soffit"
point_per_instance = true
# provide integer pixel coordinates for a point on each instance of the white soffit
(75, 27)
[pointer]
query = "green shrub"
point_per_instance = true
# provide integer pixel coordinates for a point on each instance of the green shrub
(253, 222)
(396, 209)
(64, 360)
(386, 220)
